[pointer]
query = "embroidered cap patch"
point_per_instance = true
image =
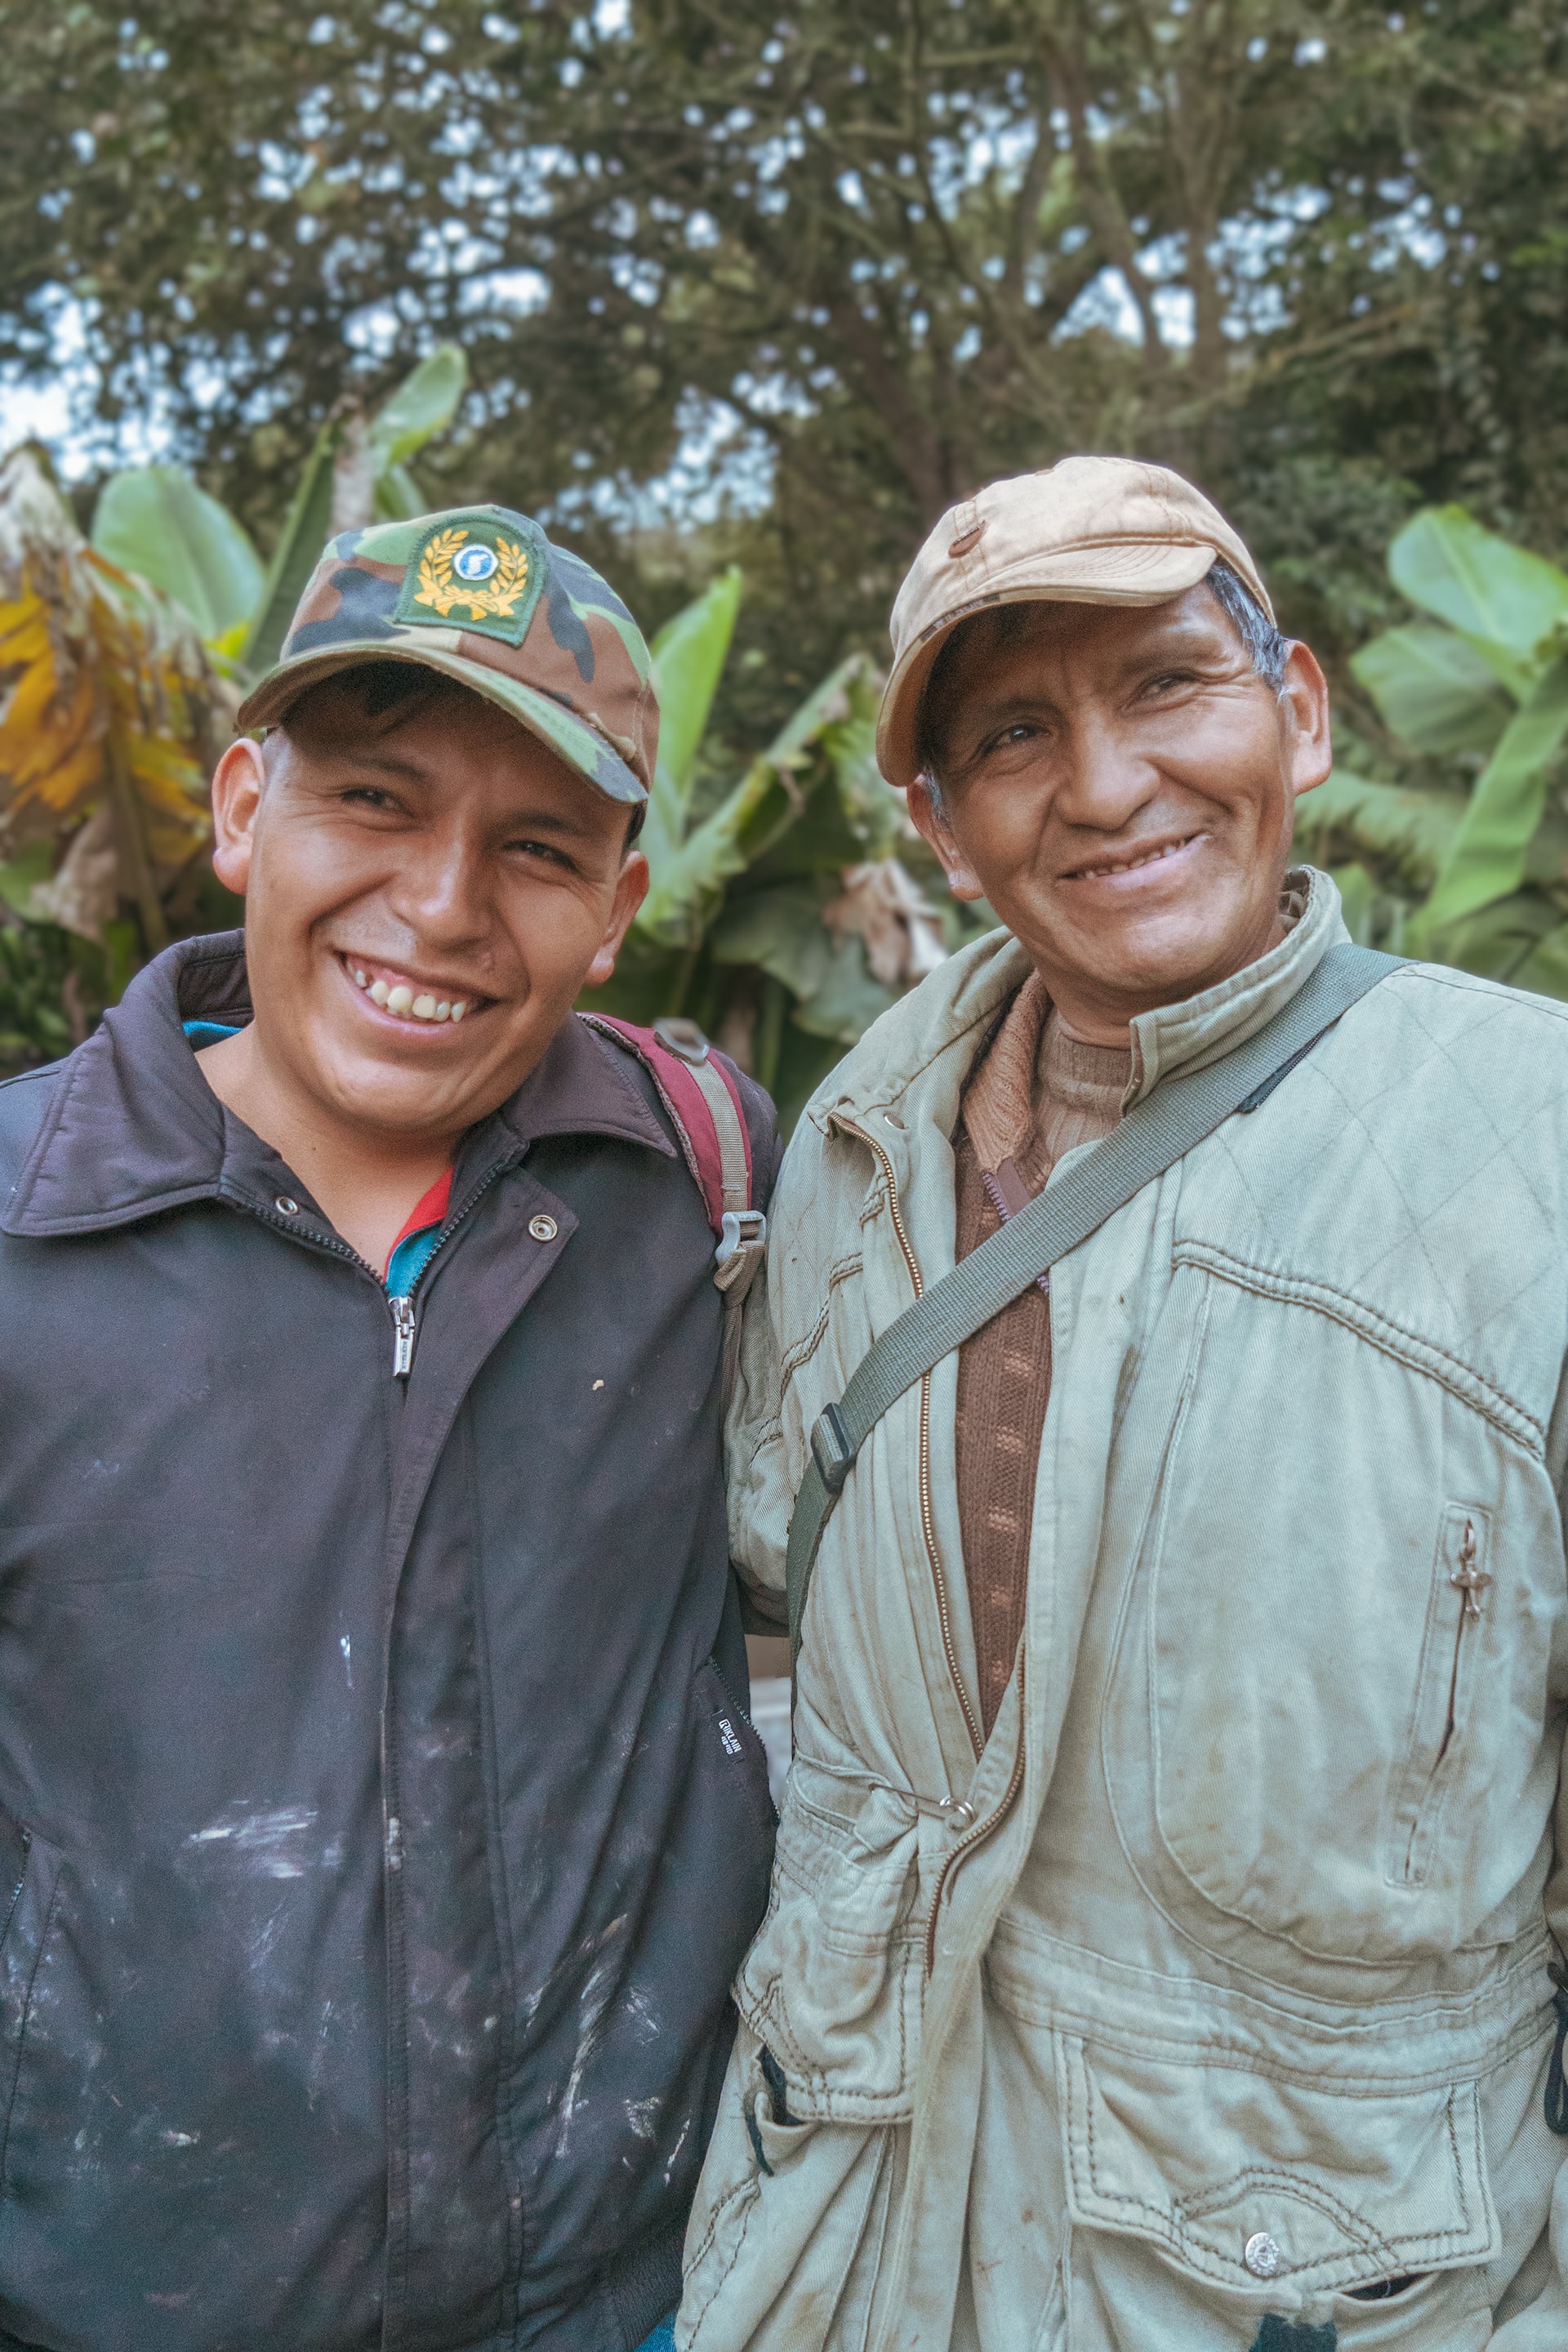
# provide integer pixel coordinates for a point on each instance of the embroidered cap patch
(476, 574)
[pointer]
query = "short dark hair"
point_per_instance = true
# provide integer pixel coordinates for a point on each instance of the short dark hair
(1269, 646)
(1001, 623)
(383, 695)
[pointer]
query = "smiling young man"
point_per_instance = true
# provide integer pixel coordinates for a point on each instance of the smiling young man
(382, 1827)
(1169, 1871)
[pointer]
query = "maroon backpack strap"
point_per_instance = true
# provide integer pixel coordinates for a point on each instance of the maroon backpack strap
(705, 1109)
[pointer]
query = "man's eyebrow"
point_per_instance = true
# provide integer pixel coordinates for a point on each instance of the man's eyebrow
(387, 762)
(550, 821)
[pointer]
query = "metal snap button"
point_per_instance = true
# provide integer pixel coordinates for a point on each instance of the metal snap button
(284, 1206)
(891, 1119)
(1262, 2256)
(543, 1229)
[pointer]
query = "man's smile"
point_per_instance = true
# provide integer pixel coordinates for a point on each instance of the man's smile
(410, 1000)
(1139, 858)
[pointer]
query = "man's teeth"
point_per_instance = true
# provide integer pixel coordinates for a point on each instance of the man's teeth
(1130, 865)
(398, 997)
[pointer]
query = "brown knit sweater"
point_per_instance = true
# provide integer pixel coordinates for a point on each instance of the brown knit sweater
(1035, 1093)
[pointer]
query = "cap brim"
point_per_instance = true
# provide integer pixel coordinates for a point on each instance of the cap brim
(561, 731)
(1138, 572)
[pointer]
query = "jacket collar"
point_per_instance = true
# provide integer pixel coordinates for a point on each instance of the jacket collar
(922, 1052)
(134, 1129)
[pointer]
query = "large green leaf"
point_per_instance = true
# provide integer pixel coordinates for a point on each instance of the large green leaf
(687, 880)
(1449, 564)
(305, 532)
(398, 496)
(154, 520)
(782, 931)
(1487, 857)
(423, 405)
(689, 656)
(1544, 970)
(1432, 688)
(1402, 836)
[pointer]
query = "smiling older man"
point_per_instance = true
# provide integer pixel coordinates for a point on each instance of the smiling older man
(1175, 1299)
(380, 1822)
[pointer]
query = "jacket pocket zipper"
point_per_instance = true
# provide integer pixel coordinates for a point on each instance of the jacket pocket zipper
(1423, 1803)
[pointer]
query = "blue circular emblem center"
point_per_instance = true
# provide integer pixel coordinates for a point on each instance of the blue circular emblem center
(473, 562)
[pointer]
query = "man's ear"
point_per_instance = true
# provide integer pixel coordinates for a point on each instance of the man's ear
(237, 796)
(631, 889)
(1304, 706)
(927, 814)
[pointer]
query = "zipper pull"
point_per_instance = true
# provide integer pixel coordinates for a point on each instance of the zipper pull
(402, 1337)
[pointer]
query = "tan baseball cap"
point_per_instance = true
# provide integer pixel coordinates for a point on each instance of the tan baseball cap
(1088, 530)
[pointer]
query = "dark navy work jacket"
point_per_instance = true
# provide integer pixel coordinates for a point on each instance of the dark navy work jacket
(384, 1826)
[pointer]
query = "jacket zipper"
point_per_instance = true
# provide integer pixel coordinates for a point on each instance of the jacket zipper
(405, 1327)
(976, 1836)
(405, 1321)
(928, 1515)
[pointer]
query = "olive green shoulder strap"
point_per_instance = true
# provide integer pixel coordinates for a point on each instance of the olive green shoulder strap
(1179, 1113)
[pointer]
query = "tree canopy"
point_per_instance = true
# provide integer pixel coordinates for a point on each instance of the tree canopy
(834, 266)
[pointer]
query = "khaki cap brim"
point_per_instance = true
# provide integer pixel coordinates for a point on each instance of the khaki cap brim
(571, 741)
(1134, 573)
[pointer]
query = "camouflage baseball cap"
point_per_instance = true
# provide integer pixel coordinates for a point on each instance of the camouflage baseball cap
(481, 594)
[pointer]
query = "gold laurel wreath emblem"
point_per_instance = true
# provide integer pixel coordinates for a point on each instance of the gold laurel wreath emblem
(442, 590)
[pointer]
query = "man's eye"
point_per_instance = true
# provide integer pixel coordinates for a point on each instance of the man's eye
(369, 796)
(541, 849)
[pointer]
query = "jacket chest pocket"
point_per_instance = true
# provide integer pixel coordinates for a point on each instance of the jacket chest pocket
(1330, 1673)
(1452, 1663)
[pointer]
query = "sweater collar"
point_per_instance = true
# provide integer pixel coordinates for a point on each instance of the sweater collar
(134, 1129)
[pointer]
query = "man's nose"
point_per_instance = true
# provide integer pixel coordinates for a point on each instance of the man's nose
(1106, 774)
(442, 888)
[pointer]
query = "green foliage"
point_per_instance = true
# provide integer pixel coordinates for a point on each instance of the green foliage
(765, 918)
(54, 985)
(1477, 878)
(354, 471)
(1309, 250)
(154, 521)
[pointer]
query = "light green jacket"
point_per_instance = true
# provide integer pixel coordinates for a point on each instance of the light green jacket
(1214, 1986)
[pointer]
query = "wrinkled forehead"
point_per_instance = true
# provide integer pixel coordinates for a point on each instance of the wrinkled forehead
(1064, 640)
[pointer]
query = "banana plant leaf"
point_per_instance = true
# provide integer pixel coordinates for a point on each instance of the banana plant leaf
(782, 931)
(689, 656)
(398, 496)
(307, 528)
(1500, 941)
(1488, 855)
(1496, 594)
(687, 883)
(113, 717)
(1432, 688)
(1401, 836)
(1544, 971)
(422, 406)
(153, 520)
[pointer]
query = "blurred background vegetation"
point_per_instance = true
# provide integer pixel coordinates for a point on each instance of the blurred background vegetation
(738, 299)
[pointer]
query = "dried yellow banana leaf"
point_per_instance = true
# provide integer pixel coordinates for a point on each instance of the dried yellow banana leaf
(109, 709)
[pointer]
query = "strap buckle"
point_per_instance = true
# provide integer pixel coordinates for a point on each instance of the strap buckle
(740, 1228)
(681, 1037)
(831, 1450)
